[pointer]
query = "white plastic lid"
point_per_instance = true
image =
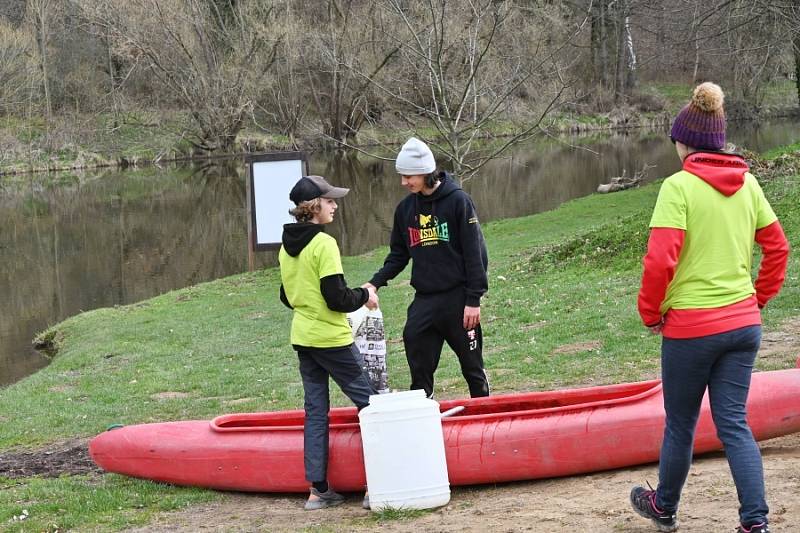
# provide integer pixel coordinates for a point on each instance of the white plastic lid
(384, 399)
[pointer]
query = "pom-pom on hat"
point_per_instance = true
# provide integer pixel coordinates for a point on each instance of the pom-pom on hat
(415, 159)
(701, 123)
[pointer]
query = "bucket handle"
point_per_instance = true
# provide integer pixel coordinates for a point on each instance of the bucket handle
(454, 410)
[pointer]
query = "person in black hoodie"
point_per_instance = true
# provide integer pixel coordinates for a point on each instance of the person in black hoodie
(313, 286)
(436, 227)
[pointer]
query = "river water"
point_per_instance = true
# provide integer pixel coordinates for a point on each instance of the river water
(104, 238)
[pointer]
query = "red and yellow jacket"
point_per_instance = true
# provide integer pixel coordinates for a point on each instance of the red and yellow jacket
(697, 270)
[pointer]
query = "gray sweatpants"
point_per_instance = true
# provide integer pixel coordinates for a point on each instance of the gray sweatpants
(346, 366)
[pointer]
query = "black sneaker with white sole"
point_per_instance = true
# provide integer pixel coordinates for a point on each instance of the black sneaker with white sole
(643, 502)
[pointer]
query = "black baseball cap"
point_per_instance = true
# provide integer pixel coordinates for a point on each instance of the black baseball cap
(310, 187)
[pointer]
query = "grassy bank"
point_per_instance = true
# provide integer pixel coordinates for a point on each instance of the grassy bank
(70, 141)
(560, 312)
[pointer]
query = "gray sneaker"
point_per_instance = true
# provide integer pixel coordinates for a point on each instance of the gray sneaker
(328, 498)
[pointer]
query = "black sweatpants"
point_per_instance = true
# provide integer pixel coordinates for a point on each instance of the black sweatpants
(346, 366)
(433, 319)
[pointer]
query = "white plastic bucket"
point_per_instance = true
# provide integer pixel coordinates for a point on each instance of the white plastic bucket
(404, 452)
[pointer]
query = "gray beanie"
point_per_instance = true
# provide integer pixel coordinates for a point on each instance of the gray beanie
(415, 158)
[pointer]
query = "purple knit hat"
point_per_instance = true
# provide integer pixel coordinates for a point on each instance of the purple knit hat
(701, 123)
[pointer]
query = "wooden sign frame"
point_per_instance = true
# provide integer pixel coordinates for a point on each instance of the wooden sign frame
(270, 177)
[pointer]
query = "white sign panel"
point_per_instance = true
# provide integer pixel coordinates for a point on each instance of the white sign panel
(271, 181)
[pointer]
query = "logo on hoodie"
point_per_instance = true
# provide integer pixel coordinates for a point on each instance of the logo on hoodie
(430, 232)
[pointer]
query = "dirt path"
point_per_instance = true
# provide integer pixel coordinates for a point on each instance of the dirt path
(70, 458)
(597, 502)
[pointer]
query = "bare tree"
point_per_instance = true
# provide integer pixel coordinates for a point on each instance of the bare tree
(15, 48)
(209, 55)
(284, 98)
(40, 17)
(612, 44)
(600, 18)
(341, 55)
(787, 17)
(740, 43)
(448, 71)
(796, 54)
(460, 65)
(626, 64)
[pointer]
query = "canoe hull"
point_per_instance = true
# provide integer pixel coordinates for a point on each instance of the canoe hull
(568, 432)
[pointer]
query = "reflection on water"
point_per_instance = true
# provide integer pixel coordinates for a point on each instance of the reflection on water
(119, 237)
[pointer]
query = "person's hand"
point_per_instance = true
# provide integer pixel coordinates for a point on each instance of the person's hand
(372, 301)
(369, 286)
(472, 317)
(656, 330)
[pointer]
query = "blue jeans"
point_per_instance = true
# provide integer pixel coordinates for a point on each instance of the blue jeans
(346, 366)
(724, 364)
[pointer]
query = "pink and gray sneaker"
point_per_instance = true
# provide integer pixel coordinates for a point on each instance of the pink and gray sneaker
(763, 527)
(643, 502)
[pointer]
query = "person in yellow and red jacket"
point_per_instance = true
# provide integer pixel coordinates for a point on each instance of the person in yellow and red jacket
(697, 292)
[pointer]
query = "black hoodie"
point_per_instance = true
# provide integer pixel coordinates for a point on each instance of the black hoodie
(334, 288)
(442, 235)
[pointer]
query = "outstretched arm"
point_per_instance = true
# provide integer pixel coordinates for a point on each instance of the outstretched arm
(339, 297)
(398, 256)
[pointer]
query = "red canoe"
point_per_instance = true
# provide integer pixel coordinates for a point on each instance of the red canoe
(500, 438)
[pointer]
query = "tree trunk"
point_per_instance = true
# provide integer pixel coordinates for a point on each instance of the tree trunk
(619, 78)
(604, 43)
(630, 63)
(796, 46)
(41, 15)
(595, 43)
(112, 78)
(696, 36)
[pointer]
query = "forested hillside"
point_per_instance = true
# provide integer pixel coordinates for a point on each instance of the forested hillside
(78, 73)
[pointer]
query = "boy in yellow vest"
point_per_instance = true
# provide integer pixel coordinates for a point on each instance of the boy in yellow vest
(313, 286)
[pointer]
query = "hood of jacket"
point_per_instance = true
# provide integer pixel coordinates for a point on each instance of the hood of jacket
(297, 236)
(724, 172)
(446, 187)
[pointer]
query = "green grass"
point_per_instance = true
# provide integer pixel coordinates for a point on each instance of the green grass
(674, 93)
(390, 514)
(561, 311)
(88, 141)
(780, 94)
(776, 96)
(782, 150)
(113, 501)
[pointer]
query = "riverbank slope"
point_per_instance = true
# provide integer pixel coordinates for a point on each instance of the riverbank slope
(140, 137)
(560, 312)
